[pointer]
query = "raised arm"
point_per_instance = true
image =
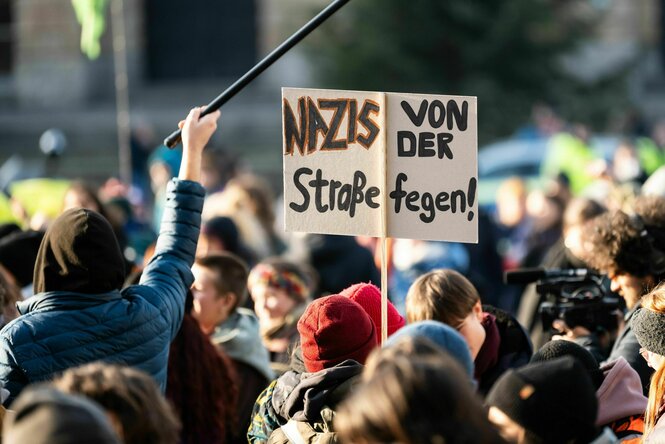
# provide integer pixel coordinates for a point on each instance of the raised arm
(196, 132)
(168, 275)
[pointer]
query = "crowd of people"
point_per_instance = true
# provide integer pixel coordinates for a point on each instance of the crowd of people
(222, 329)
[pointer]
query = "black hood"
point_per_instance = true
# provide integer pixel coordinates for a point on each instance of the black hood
(79, 253)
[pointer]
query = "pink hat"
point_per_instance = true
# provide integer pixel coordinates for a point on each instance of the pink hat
(369, 298)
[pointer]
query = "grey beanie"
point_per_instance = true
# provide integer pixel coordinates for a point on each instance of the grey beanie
(649, 328)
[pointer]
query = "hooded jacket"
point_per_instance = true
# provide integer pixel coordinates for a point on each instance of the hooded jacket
(80, 315)
(301, 397)
(620, 397)
(239, 337)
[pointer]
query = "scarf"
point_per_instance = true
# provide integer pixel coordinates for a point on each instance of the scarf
(488, 356)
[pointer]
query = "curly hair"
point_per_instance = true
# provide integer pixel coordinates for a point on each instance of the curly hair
(616, 244)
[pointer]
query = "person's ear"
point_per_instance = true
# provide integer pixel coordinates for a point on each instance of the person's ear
(478, 310)
(229, 300)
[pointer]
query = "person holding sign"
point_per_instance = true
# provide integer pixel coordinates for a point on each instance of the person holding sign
(80, 315)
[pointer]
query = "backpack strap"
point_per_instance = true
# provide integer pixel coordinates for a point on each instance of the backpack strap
(290, 429)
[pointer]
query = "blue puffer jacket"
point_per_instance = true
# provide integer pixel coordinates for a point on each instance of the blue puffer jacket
(59, 330)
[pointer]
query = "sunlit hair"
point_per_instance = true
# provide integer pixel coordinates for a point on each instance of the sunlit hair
(655, 301)
(441, 295)
(414, 399)
(130, 397)
(581, 210)
(616, 245)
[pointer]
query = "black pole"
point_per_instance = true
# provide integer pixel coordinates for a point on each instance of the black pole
(172, 140)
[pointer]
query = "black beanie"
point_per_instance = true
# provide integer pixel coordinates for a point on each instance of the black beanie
(7, 229)
(559, 348)
(553, 400)
(649, 328)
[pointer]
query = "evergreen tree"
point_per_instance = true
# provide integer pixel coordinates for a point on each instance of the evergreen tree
(505, 52)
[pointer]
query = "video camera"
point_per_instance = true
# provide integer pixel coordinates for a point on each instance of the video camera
(579, 297)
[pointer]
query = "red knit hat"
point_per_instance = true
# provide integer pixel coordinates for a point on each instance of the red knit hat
(369, 298)
(333, 329)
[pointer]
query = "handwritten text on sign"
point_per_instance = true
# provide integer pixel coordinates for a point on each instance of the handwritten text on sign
(347, 154)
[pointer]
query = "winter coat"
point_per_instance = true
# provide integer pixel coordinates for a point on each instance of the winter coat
(239, 337)
(626, 345)
(301, 397)
(515, 348)
(58, 330)
(621, 403)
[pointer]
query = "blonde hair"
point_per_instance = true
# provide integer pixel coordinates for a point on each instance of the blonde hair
(441, 295)
(654, 301)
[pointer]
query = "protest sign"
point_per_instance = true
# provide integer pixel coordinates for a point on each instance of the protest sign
(380, 164)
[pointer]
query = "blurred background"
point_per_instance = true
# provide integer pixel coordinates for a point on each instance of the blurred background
(536, 67)
(571, 98)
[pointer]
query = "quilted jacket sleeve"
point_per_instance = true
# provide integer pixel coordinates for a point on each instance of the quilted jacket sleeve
(168, 276)
(11, 376)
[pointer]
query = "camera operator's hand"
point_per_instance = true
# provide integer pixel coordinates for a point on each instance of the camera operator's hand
(567, 333)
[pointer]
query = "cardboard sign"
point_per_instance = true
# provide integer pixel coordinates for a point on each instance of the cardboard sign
(380, 164)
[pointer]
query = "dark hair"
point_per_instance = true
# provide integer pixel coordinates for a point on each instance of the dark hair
(222, 161)
(129, 395)
(231, 274)
(10, 294)
(617, 245)
(201, 386)
(414, 400)
(441, 295)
